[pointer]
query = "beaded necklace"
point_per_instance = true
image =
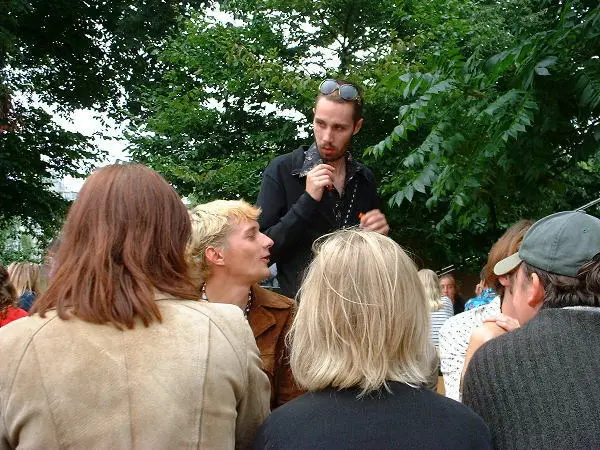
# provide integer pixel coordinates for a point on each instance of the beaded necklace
(246, 309)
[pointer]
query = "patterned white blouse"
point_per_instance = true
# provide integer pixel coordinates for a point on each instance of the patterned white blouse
(454, 339)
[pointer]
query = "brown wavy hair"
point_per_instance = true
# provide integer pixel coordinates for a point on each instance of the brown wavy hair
(124, 239)
(508, 244)
(8, 293)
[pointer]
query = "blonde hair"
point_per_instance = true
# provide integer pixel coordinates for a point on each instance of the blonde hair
(211, 224)
(362, 317)
(25, 276)
(431, 284)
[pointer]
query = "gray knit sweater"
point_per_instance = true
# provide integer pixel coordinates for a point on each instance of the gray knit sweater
(538, 386)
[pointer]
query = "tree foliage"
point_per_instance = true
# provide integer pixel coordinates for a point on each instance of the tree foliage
(16, 244)
(213, 120)
(491, 139)
(69, 55)
(477, 113)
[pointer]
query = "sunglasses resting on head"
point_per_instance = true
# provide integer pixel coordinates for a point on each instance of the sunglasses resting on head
(346, 91)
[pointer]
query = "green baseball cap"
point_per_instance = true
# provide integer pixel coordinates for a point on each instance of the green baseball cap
(560, 243)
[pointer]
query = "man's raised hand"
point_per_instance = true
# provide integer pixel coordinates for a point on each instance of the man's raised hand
(318, 179)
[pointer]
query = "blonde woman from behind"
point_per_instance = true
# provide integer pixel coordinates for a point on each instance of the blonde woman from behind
(360, 345)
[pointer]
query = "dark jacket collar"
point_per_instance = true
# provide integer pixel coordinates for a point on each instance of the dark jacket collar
(304, 159)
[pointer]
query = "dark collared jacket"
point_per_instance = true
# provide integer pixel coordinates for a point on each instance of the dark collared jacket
(270, 318)
(293, 219)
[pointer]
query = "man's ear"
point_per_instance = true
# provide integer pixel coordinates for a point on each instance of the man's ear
(535, 296)
(214, 256)
(357, 126)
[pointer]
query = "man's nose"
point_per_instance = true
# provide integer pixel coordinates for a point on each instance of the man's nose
(268, 241)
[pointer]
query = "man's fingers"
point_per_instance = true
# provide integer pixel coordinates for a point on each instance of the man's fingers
(321, 168)
(323, 179)
(374, 220)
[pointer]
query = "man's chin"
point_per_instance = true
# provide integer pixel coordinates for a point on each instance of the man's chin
(332, 158)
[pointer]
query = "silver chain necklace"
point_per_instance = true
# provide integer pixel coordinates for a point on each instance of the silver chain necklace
(246, 309)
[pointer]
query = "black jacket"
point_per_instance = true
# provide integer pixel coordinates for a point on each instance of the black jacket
(293, 219)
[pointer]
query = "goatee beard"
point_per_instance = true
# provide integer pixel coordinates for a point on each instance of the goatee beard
(328, 160)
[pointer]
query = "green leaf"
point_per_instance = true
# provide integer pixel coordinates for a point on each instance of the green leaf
(406, 92)
(542, 71)
(547, 62)
(409, 192)
(400, 131)
(442, 86)
(419, 186)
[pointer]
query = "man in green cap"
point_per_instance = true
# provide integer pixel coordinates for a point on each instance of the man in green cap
(536, 387)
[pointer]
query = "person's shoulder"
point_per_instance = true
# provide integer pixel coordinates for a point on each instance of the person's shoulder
(25, 325)
(14, 313)
(215, 312)
(18, 336)
(486, 332)
(227, 318)
(456, 414)
(226, 322)
(365, 171)
(298, 410)
(288, 423)
(494, 346)
(455, 411)
(287, 160)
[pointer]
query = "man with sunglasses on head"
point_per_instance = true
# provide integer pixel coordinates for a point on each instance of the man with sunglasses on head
(320, 188)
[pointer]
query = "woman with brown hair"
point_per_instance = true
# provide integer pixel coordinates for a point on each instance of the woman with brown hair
(9, 302)
(119, 352)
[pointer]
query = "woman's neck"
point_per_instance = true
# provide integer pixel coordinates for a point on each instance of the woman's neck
(227, 291)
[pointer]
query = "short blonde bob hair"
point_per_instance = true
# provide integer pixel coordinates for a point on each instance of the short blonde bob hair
(211, 224)
(362, 318)
(431, 284)
(25, 276)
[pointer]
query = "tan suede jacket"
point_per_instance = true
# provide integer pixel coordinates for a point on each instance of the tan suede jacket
(270, 318)
(193, 381)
